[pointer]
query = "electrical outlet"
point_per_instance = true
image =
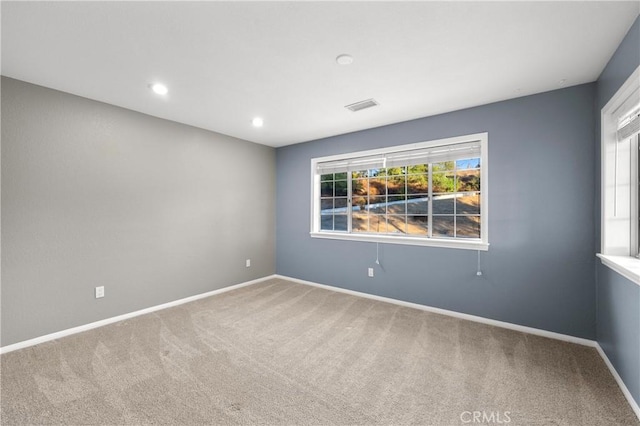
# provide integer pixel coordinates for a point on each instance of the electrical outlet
(248, 263)
(370, 272)
(99, 292)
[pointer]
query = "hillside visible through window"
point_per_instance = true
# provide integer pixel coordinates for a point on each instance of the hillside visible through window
(439, 200)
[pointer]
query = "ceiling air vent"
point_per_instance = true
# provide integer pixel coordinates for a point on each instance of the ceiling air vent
(359, 106)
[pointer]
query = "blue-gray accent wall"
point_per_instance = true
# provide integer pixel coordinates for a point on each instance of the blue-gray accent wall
(618, 299)
(539, 270)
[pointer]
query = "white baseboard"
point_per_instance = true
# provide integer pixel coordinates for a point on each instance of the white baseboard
(474, 318)
(632, 402)
(79, 329)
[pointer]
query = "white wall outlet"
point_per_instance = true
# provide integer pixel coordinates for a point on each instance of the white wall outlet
(99, 292)
(248, 263)
(370, 272)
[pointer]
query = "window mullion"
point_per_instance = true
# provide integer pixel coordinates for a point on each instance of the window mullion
(386, 200)
(333, 215)
(406, 199)
(349, 201)
(455, 199)
(430, 203)
(635, 196)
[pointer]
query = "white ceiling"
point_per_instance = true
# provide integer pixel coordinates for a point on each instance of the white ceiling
(227, 62)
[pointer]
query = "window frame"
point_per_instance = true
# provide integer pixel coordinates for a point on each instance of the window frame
(481, 243)
(635, 195)
(619, 198)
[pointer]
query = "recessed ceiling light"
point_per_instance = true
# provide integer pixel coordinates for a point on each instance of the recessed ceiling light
(344, 59)
(257, 122)
(159, 88)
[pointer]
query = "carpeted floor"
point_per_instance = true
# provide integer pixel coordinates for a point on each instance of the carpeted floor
(284, 353)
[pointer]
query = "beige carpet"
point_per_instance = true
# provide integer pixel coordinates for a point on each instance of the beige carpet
(284, 353)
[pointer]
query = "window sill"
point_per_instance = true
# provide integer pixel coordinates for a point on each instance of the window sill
(430, 242)
(627, 266)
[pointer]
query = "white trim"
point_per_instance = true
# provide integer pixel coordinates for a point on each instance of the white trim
(627, 266)
(616, 186)
(625, 391)
(474, 318)
(96, 324)
(635, 181)
(471, 244)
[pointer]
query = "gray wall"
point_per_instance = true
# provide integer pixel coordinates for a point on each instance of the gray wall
(94, 194)
(618, 299)
(619, 325)
(539, 269)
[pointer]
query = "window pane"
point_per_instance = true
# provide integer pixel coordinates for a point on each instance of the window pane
(341, 188)
(326, 205)
(396, 204)
(443, 204)
(418, 184)
(360, 221)
(340, 203)
(418, 204)
(443, 182)
(359, 203)
(468, 180)
(418, 169)
(370, 223)
(377, 223)
(326, 177)
(418, 225)
(396, 171)
(468, 204)
(360, 186)
(447, 165)
(326, 189)
(326, 222)
(378, 205)
(396, 184)
(468, 226)
(443, 226)
(377, 186)
(340, 222)
(471, 163)
(397, 224)
(397, 209)
(341, 176)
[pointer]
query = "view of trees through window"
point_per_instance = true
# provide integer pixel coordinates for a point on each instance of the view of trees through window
(440, 200)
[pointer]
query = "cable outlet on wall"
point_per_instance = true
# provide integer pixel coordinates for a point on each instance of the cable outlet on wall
(370, 272)
(99, 292)
(248, 263)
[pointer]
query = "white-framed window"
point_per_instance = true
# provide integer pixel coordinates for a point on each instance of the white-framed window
(430, 193)
(620, 209)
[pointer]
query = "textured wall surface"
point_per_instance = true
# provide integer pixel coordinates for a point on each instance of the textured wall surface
(618, 299)
(96, 195)
(539, 269)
